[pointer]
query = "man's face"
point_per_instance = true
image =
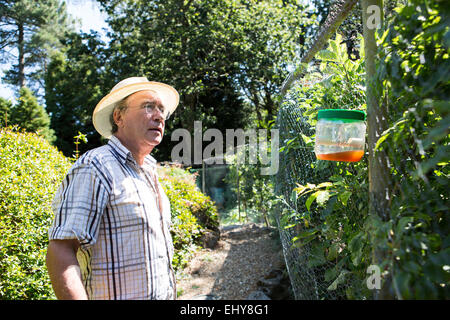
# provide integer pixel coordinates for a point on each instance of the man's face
(144, 119)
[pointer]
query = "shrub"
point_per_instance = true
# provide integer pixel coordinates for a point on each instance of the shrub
(193, 213)
(414, 237)
(30, 115)
(30, 173)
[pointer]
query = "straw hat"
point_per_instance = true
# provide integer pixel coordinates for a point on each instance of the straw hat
(102, 112)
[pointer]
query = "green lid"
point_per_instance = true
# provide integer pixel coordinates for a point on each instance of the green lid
(341, 114)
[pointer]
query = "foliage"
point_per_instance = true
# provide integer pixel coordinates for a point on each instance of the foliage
(77, 142)
(267, 42)
(34, 29)
(227, 59)
(193, 213)
(328, 207)
(330, 213)
(184, 44)
(414, 70)
(254, 190)
(30, 172)
(30, 115)
(74, 83)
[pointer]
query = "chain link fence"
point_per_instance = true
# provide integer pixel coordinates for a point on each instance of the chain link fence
(309, 270)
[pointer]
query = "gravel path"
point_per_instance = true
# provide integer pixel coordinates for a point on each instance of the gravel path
(243, 255)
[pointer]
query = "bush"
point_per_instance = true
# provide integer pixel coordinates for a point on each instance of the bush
(30, 173)
(193, 213)
(30, 115)
(414, 237)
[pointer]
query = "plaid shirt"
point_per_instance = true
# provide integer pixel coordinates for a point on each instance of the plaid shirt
(112, 206)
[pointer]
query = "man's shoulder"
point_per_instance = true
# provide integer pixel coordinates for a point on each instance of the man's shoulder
(98, 159)
(98, 155)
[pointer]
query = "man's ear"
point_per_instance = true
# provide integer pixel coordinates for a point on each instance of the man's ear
(117, 116)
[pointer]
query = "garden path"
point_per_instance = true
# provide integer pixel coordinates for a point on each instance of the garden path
(230, 271)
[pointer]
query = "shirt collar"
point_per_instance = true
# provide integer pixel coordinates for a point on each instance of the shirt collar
(125, 154)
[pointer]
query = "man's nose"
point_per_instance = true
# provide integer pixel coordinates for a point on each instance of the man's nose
(158, 115)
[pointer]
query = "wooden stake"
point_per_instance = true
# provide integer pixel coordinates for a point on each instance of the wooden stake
(372, 13)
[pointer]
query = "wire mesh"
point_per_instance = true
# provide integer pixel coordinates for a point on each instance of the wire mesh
(306, 266)
(295, 166)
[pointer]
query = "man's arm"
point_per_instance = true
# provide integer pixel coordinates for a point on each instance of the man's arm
(64, 270)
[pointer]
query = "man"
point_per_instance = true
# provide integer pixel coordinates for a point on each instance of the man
(110, 236)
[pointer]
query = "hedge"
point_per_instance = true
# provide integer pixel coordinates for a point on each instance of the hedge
(193, 213)
(30, 173)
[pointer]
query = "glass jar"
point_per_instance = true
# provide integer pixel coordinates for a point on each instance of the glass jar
(340, 135)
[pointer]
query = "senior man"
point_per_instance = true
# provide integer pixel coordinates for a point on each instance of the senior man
(110, 235)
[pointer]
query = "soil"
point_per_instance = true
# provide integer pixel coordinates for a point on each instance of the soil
(243, 255)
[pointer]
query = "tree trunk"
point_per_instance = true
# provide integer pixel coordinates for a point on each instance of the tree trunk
(376, 124)
(20, 41)
(270, 106)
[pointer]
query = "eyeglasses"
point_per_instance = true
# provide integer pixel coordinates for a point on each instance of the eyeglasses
(150, 109)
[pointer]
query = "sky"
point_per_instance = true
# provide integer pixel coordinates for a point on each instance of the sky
(90, 17)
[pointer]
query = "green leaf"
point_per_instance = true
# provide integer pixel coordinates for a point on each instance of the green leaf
(300, 189)
(308, 141)
(344, 196)
(327, 55)
(333, 251)
(310, 200)
(355, 247)
(381, 140)
(317, 257)
(331, 274)
(403, 222)
(304, 234)
(325, 184)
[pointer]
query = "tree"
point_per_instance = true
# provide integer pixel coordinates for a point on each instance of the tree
(29, 31)
(226, 58)
(340, 11)
(75, 82)
(239, 49)
(5, 111)
(31, 116)
(184, 45)
(268, 43)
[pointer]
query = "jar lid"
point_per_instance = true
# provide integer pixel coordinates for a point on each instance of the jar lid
(341, 114)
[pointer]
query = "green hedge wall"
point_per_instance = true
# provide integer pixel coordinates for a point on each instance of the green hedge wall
(193, 213)
(30, 173)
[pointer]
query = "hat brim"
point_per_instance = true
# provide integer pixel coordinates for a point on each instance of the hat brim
(102, 112)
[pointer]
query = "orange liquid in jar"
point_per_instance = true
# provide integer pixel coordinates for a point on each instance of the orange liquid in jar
(348, 156)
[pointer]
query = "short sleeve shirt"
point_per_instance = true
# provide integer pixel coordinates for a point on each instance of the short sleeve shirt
(121, 216)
